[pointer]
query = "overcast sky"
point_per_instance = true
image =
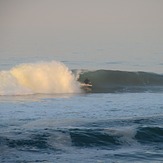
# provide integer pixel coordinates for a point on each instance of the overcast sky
(82, 29)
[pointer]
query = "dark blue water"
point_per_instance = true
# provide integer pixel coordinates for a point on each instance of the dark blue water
(87, 127)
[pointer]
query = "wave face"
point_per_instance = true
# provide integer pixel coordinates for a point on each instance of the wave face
(44, 77)
(122, 81)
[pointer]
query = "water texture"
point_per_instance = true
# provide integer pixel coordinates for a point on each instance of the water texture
(122, 124)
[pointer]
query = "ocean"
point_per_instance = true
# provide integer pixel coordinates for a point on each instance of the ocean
(46, 116)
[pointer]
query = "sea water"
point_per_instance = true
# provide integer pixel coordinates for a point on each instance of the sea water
(45, 116)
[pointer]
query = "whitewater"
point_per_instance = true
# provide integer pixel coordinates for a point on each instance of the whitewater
(42, 77)
(46, 116)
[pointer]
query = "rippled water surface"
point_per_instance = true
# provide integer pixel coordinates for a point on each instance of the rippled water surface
(102, 127)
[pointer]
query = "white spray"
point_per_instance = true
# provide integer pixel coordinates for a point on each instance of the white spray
(43, 77)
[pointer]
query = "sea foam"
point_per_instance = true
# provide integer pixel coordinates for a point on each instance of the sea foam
(42, 77)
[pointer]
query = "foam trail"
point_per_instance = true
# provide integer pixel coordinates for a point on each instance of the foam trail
(44, 77)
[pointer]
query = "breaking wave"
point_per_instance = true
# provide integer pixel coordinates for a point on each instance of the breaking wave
(54, 77)
(122, 81)
(43, 77)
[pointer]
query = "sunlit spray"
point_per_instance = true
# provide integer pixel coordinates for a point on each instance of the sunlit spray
(43, 77)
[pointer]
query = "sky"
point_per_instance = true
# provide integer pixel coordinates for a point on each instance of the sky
(129, 31)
